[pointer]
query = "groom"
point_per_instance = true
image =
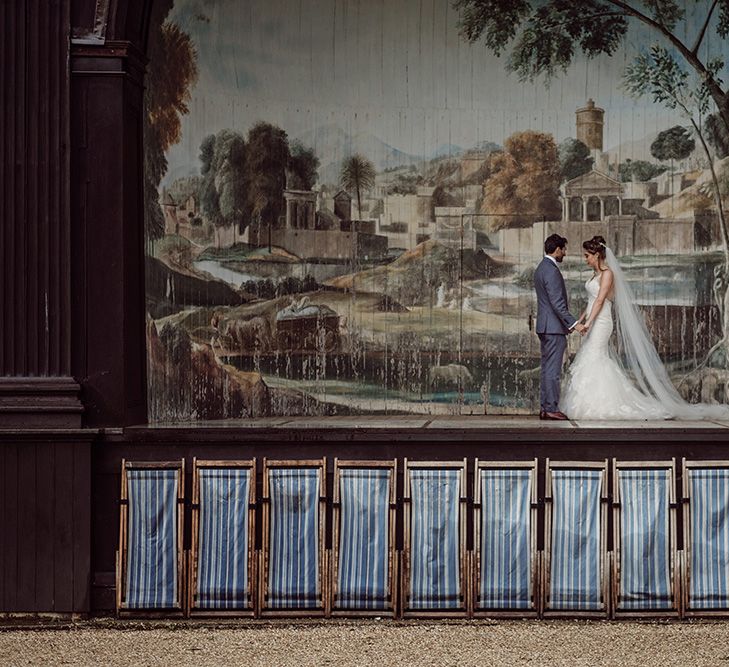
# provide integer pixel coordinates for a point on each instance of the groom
(554, 322)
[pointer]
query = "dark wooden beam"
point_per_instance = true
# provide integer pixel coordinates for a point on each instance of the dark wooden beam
(108, 350)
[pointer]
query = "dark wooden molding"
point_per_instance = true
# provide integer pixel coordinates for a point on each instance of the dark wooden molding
(80, 436)
(112, 58)
(40, 403)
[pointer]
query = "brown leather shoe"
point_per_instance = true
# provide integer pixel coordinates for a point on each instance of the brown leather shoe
(542, 414)
(556, 416)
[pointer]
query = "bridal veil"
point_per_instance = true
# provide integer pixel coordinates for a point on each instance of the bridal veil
(640, 357)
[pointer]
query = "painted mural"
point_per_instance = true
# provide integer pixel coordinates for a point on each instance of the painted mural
(345, 200)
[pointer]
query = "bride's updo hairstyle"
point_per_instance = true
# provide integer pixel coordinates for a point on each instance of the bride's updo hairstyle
(595, 246)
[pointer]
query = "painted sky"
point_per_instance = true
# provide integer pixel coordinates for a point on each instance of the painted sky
(392, 69)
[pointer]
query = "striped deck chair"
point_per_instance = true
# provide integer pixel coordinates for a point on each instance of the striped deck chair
(645, 576)
(293, 556)
(149, 577)
(505, 538)
(222, 569)
(574, 567)
(363, 565)
(706, 538)
(435, 567)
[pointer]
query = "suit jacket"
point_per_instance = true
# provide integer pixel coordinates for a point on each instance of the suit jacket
(553, 315)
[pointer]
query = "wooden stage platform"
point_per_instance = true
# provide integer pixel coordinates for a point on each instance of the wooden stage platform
(438, 428)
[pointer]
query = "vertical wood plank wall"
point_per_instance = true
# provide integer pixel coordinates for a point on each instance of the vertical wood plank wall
(45, 507)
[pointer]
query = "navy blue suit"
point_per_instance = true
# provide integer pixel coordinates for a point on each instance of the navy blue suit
(554, 322)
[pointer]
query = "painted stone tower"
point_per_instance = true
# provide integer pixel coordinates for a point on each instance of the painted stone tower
(590, 125)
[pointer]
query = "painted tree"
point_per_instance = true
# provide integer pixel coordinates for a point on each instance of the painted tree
(524, 181)
(303, 165)
(717, 135)
(357, 175)
(223, 195)
(675, 143)
(658, 74)
(574, 159)
(268, 158)
(639, 170)
(171, 73)
(230, 174)
(208, 194)
(544, 36)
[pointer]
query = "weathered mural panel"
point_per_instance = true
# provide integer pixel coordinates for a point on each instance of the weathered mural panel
(345, 201)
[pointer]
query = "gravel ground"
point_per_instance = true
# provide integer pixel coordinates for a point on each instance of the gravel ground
(378, 643)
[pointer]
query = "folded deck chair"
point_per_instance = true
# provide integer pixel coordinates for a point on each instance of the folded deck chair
(150, 558)
(645, 581)
(293, 558)
(706, 538)
(574, 567)
(363, 563)
(223, 538)
(434, 545)
(505, 538)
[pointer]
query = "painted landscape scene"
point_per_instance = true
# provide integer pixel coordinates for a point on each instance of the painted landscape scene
(345, 202)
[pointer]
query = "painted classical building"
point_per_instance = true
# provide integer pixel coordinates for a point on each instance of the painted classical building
(595, 196)
(321, 235)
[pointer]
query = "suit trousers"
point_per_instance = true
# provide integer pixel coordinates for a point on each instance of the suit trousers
(553, 349)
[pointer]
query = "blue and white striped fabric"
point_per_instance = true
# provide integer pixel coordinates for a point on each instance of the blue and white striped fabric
(645, 545)
(575, 562)
(222, 576)
(363, 572)
(506, 581)
(435, 571)
(152, 539)
(709, 582)
(294, 539)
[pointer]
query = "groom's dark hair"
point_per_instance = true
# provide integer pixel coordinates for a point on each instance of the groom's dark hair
(553, 242)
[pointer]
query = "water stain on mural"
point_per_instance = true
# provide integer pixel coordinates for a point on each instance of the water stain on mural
(345, 201)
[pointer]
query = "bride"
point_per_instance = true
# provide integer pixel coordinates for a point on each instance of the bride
(598, 387)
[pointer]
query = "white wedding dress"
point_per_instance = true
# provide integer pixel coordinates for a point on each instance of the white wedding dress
(597, 387)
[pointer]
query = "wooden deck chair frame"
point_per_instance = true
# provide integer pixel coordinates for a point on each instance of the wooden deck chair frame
(686, 610)
(264, 554)
(617, 541)
(464, 559)
(602, 466)
(392, 558)
(121, 555)
(192, 559)
(477, 555)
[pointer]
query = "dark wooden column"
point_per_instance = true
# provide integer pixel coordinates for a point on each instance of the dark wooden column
(108, 348)
(36, 387)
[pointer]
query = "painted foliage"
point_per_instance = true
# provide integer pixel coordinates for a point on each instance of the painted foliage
(346, 200)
